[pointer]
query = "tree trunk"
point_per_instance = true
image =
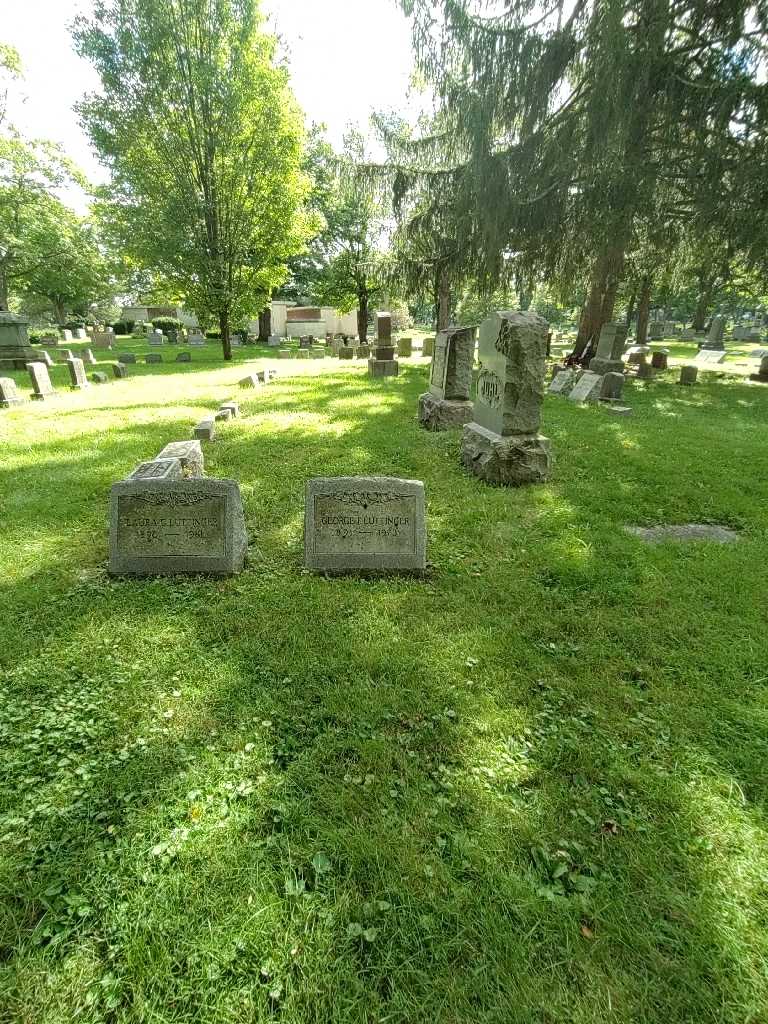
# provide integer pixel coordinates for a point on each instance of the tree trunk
(631, 308)
(60, 311)
(702, 304)
(643, 310)
(265, 325)
(362, 315)
(589, 325)
(443, 299)
(3, 290)
(226, 347)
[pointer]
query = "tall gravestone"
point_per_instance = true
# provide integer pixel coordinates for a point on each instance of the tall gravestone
(715, 336)
(164, 527)
(77, 377)
(447, 404)
(502, 444)
(365, 524)
(610, 349)
(383, 363)
(41, 381)
(15, 349)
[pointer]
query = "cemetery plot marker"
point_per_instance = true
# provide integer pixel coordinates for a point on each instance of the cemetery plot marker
(356, 524)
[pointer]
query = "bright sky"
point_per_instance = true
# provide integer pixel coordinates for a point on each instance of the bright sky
(347, 57)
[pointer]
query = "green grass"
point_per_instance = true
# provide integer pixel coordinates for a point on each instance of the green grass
(528, 788)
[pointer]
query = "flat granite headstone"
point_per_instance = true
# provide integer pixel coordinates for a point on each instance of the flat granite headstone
(563, 382)
(41, 381)
(154, 357)
(189, 454)
(354, 524)
(126, 357)
(77, 377)
(708, 358)
(165, 527)
(447, 404)
(587, 387)
(157, 469)
(8, 394)
(88, 357)
(502, 445)
(119, 370)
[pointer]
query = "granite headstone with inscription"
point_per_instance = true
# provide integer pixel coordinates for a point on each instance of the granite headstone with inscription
(502, 444)
(8, 394)
(189, 454)
(77, 377)
(587, 388)
(365, 524)
(165, 527)
(41, 381)
(610, 349)
(447, 404)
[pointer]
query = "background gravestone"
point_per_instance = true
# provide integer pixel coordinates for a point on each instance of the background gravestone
(354, 524)
(587, 388)
(610, 349)
(77, 377)
(41, 381)
(119, 370)
(715, 336)
(8, 393)
(15, 349)
(447, 404)
(189, 454)
(382, 362)
(166, 527)
(428, 347)
(502, 444)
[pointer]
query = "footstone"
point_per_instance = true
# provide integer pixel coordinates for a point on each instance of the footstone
(587, 388)
(346, 353)
(88, 357)
(405, 347)
(157, 469)
(41, 382)
(8, 394)
(126, 357)
(205, 430)
(383, 368)
(165, 527)
(77, 377)
(562, 383)
(505, 461)
(502, 445)
(365, 524)
(189, 454)
(611, 388)
(659, 359)
(197, 342)
(184, 357)
(120, 370)
(153, 357)
(618, 410)
(99, 377)
(428, 347)
(684, 532)
(610, 349)
(251, 381)
(688, 374)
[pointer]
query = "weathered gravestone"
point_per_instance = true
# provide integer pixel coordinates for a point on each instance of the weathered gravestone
(126, 357)
(563, 382)
(612, 387)
(645, 371)
(688, 374)
(197, 341)
(447, 404)
(184, 357)
(656, 330)
(660, 359)
(157, 469)
(610, 349)
(41, 382)
(66, 334)
(688, 334)
(762, 374)
(587, 388)
(205, 430)
(251, 381)
(157, 339)
(99, 377)
(346, 352)
(189, 454)
(637, 354)
(165, 527)
(502, 444)
(15, 349)
(80, 334)
(709, 358)
(8, 394)
(354, 524)
(405, 347)
(88, 357)
(42, 357)
(284, 353)
(119, 370)
(428, 347)
(154, 357)
(102, 339)
(715, 336)
(77, 377)
(383, 363)
(363, 351)
(274, 341)
(65, 354)
(233, 407)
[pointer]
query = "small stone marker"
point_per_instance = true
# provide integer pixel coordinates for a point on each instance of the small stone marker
(119, 370)
(502, 444)
(405, 347)
(205, 430)
(8, 394)
(154, 357)
(684, 532)
(41, 381)
(232, 406)
(42, 357)
(611, 388)
(126, 357)
(618, 410)
(688, 334)
(165, 527)
(659, 359)
(251, 381)
(88, 357)
(636, 354)
(447, 404)
(562, 383)
(184, 357)
(66, 334)
(157, 469)
(610, 349)
(645, 371)
(80, 334)
(102, 339)
(363, 351)
(197, 342)
(428, 347)
(587, 388)
(99, 377)
(77, 377)
(346, 352)
(189, 454)
(274, 341)
(223, 414)
(709, 357)
(688, 374)
(65, 354)
(156, 339)
(365, 524)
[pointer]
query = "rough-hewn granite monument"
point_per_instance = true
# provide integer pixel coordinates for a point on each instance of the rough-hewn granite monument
(447, 404)
(383, 363)
(610, 349)
(502, 444)
(354, 524)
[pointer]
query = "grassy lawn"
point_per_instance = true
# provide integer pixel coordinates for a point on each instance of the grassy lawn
(528, 788)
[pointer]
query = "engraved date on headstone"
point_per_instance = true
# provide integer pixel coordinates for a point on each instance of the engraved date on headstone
(151, 525)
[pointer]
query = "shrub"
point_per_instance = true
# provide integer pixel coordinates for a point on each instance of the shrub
(123, 327)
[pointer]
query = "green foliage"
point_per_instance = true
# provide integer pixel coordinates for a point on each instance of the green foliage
(203, 137)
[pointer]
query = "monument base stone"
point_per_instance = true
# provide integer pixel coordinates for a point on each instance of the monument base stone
(603, 366)
(383, 368)
(443, 414)
(509, 461)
